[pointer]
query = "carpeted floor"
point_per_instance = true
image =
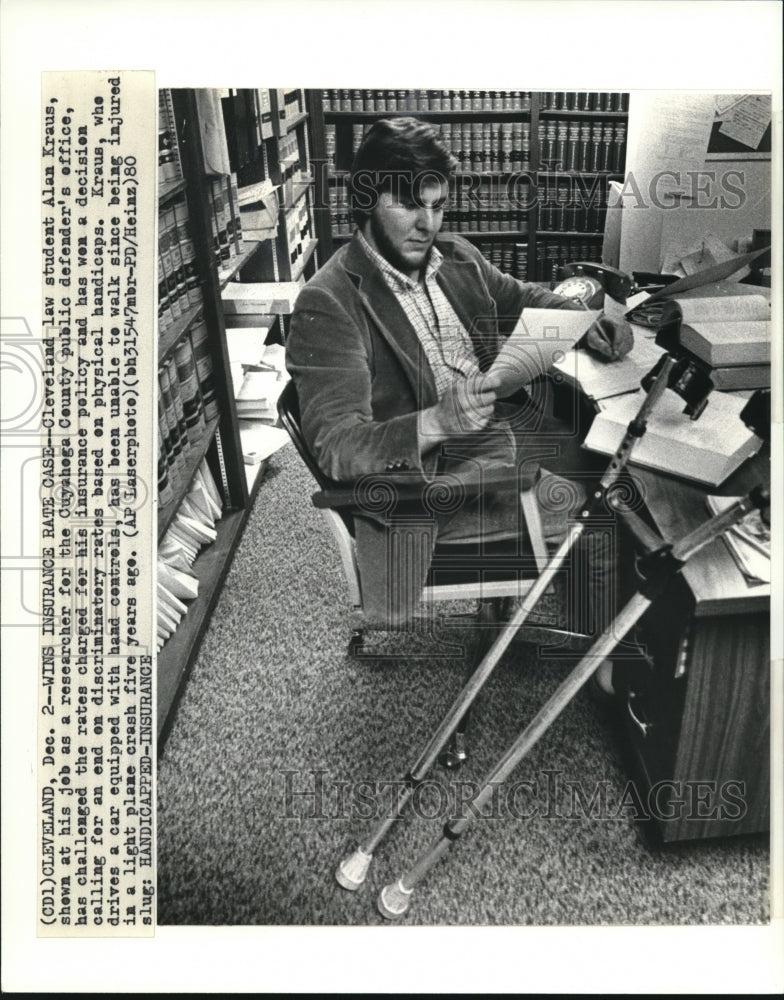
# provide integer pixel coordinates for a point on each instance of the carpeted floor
(281, 746)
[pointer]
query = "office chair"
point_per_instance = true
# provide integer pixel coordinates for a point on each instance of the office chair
(487, 572)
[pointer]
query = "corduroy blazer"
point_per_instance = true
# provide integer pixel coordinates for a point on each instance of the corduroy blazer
(362, 377)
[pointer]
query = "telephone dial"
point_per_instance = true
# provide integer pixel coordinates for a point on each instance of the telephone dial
(588, 282)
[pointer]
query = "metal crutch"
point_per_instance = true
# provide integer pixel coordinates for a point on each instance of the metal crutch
(353, 869)
(660, 566)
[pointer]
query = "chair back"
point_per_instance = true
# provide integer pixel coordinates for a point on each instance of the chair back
(340, 521)
(288, 411)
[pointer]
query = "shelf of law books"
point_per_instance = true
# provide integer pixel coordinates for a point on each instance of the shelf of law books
(532, 183)
(276, 198)
(225, 158)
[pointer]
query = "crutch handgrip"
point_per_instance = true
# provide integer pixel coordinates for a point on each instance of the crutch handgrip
(353, 869)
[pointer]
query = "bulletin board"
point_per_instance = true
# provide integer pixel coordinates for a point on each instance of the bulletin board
(741, 127)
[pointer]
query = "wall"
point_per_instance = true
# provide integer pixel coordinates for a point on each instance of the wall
(673, 193)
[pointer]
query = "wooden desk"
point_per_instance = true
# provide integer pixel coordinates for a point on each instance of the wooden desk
(696, 711)
(695, 701)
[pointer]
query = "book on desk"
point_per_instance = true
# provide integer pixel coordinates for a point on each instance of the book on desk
(730, 334)
(705, 451)
(709, 449)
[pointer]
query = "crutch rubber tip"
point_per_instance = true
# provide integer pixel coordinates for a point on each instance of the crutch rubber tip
(353, 869)
(393, 900)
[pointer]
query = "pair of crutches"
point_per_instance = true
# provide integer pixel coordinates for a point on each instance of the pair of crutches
(658, 568)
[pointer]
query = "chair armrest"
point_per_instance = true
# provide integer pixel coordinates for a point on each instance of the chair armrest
(376, 493)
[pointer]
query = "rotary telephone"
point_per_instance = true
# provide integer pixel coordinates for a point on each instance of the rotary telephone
(588, 282)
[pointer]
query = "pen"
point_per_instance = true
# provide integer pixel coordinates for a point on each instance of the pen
(603, 336)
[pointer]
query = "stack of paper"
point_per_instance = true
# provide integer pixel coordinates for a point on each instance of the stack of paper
(748, 541)
(257, 397)
(192, 528)
(258, 204)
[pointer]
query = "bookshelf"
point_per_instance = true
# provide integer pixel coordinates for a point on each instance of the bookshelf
(531, 189)
(280, 154)
(213, 147)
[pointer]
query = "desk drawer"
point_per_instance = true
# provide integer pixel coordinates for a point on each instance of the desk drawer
(696, 709)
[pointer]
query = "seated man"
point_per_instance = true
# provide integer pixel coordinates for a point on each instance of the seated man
(388, 346)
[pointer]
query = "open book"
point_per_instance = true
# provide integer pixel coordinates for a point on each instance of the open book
(705, 450)
(732, 330)
(647, 311)
(599, 379)
(541, 337)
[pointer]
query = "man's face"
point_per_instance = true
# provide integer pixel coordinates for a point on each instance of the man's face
(402, 229)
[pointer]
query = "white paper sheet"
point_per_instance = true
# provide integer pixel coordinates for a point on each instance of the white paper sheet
(749, 120)
(541, 337)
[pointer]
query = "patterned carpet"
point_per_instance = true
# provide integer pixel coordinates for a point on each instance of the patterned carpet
(282, 746)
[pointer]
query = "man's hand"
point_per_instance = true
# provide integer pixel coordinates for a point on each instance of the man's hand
(466, 406)
(610, 338)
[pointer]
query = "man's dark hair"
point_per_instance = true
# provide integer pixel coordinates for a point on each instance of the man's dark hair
(397, 154)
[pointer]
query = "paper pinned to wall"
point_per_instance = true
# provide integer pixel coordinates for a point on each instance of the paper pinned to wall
(725, 106)
(750, 119)
(683, 131)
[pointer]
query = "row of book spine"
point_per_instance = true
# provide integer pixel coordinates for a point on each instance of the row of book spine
(477, 146)
(339, 213)
(426, 100)
(566, 207)
(250, 113)
(169, 162)
(225, 220)
(562, 207)
(292, 179)
(179, 288)
(511, 258)
(489, 147)
(290, 103)
(299, 230)
(582, 146)
(552, 254)
(582, 100)
(613, 102)
(186, 403)
(263, 116)
(193, 527)
(485, 210)
(290, 164)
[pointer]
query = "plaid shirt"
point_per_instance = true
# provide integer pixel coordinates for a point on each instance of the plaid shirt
(446, 343)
